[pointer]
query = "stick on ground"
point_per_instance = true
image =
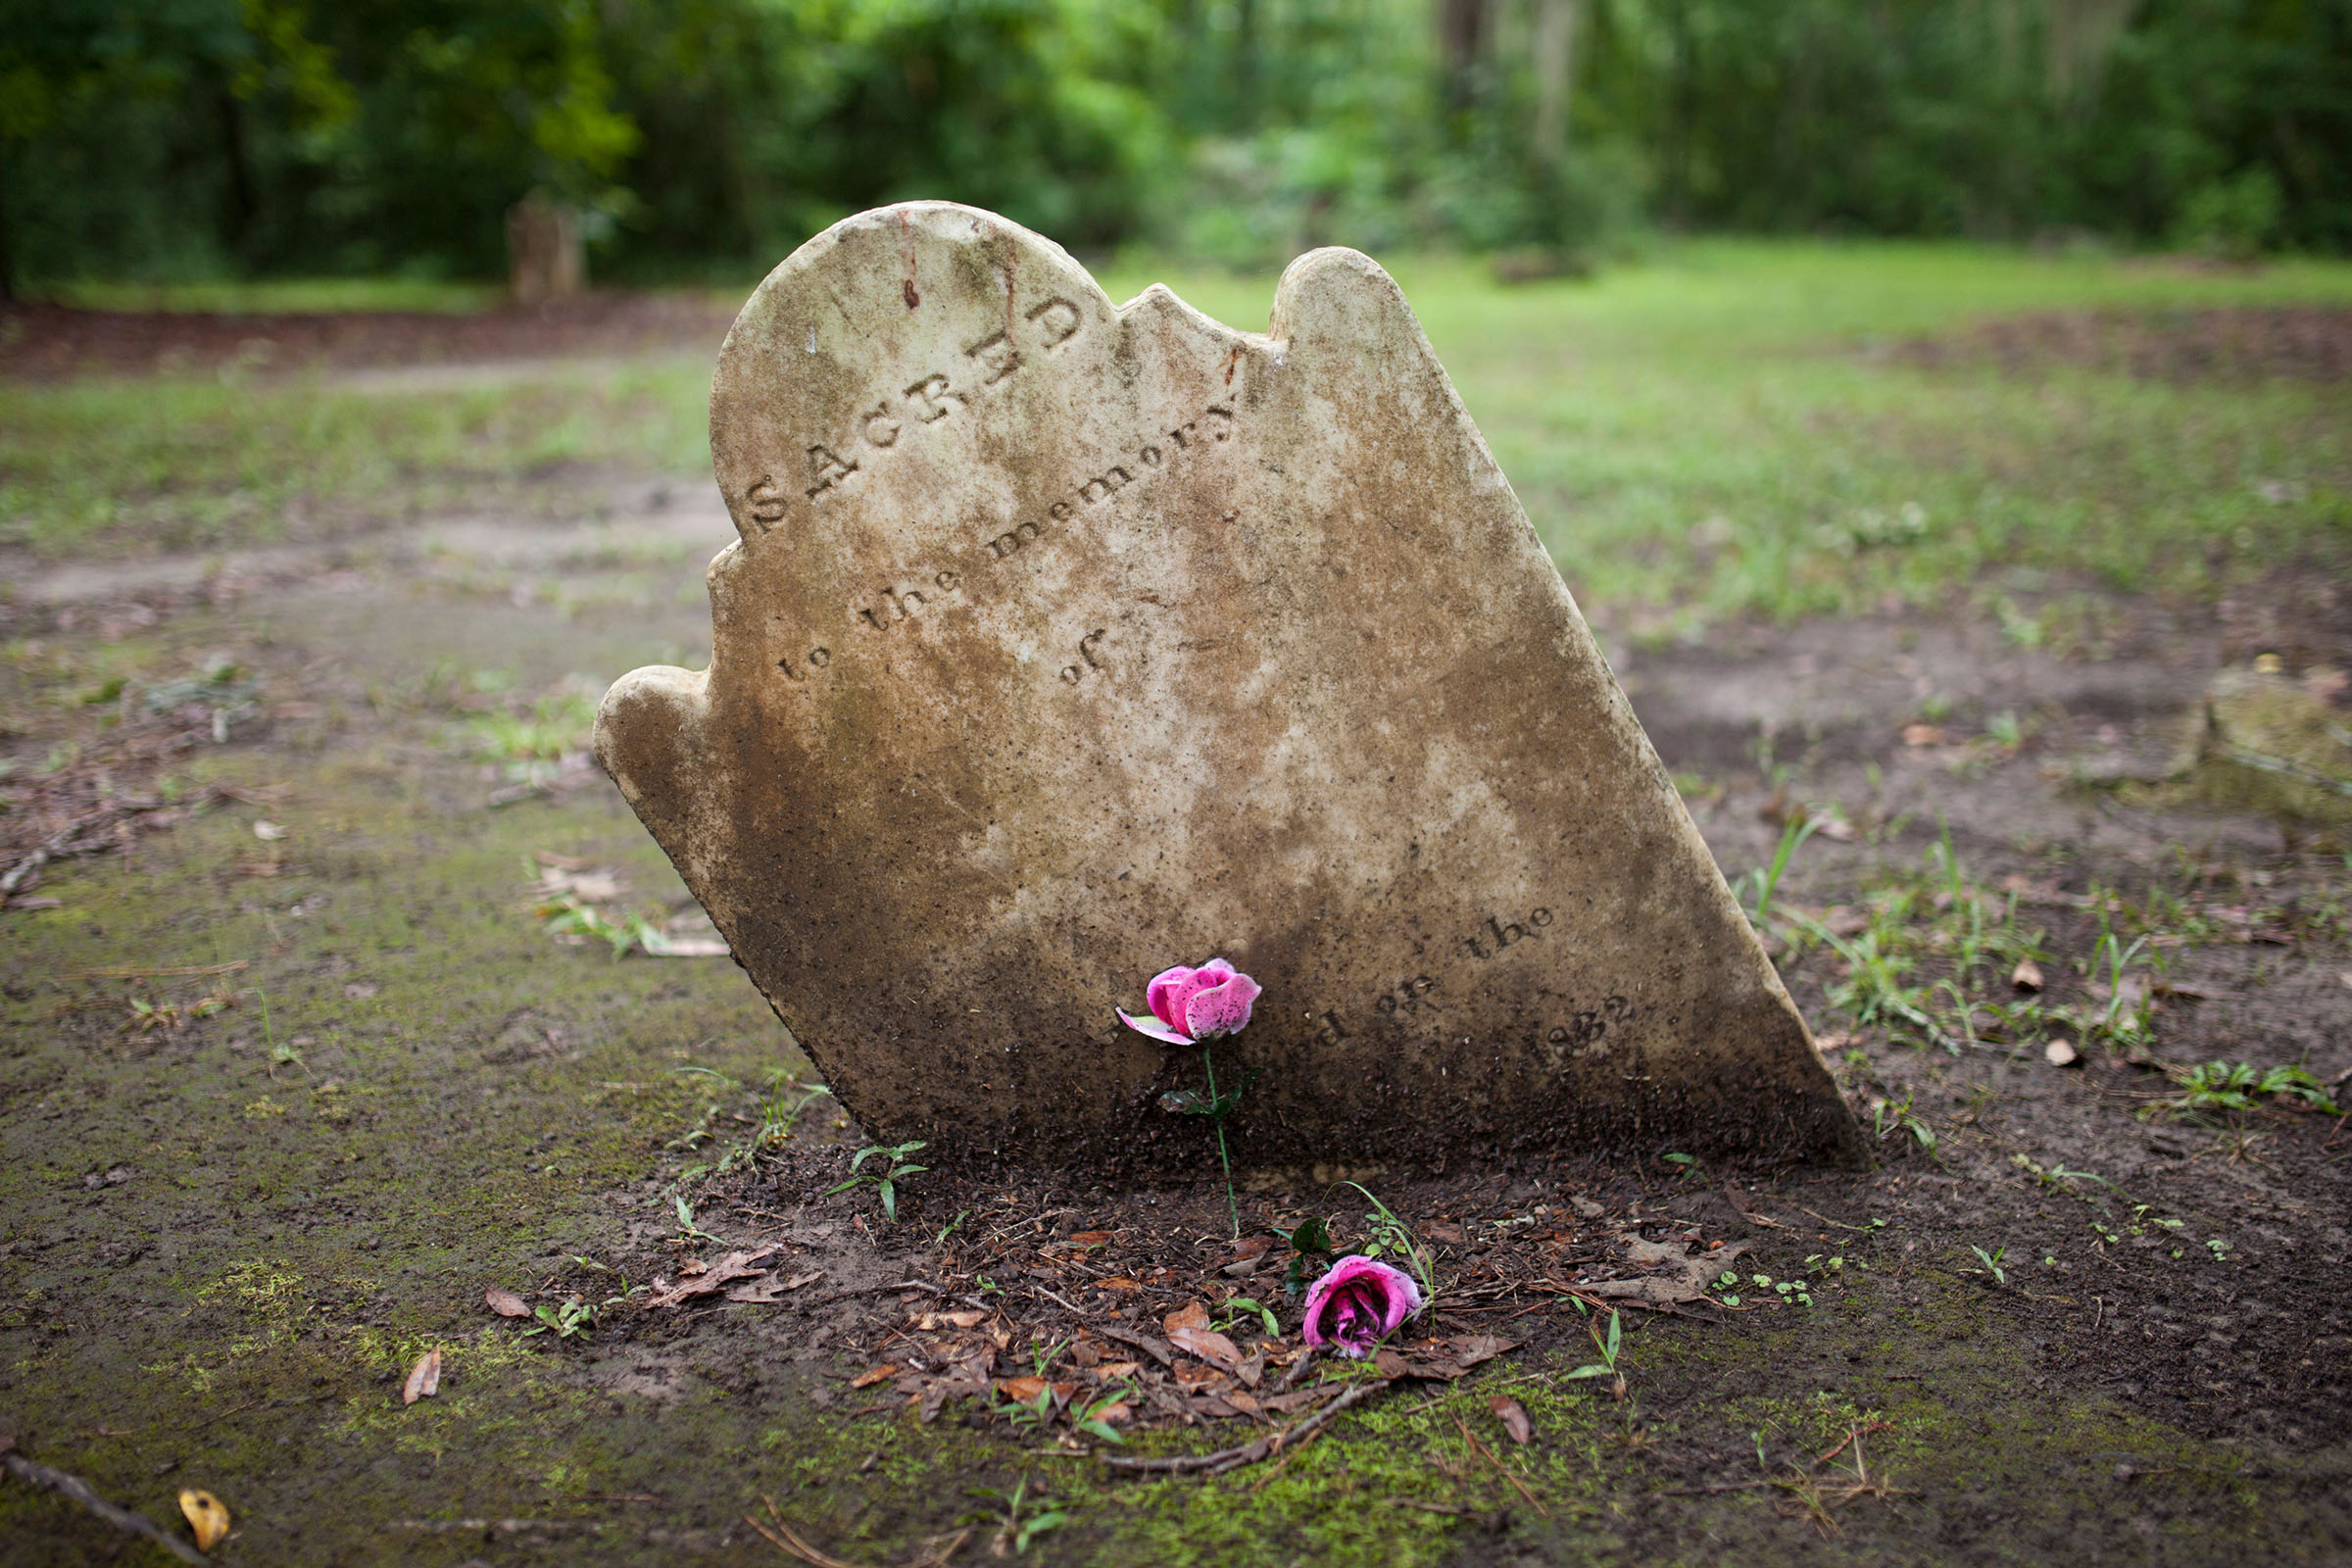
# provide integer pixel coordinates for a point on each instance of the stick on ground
(785, 1540)
(80, 1490)
(1224, 1460)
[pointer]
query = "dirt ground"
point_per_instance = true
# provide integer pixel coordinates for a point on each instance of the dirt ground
(47, 341)
(298, 1064)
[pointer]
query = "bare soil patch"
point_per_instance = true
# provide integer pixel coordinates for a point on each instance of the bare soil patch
(50, 341)
(2161, 1369)
(2238, 344)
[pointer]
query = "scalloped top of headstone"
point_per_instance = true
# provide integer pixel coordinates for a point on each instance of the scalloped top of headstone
(1067, 641)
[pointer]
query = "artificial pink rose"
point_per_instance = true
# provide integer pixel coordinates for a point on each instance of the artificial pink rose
(1358, 1303)
(1190, 1005)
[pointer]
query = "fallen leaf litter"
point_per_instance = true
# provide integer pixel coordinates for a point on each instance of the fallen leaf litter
(1083, 1322)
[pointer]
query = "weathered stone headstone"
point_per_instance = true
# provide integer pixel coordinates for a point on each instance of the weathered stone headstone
(1067, 641)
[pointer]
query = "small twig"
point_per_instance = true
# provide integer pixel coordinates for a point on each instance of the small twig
(218, 1415)
(784, 1539)
(1056, 1300)
(1291, 1436)
(80, 1490)
(1487, 1455)
(141, 971)
(876, 1290)
(1852, 1436)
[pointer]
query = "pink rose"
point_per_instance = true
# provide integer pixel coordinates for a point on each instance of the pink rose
(1190, 1005)
(1358, 1303)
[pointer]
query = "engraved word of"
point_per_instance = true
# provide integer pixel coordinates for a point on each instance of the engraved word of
(1074, 673)
(1409, 997)
(1582, 1036)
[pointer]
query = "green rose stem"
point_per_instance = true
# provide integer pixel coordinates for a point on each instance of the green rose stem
(1232, 1207)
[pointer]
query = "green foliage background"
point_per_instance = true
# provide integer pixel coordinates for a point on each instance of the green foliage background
(183, 139)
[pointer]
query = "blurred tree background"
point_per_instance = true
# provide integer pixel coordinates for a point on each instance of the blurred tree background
(189, 139)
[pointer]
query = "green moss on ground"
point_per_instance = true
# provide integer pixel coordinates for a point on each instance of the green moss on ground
(474, 1103)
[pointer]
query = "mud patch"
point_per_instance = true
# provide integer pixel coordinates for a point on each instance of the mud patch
(2238, 345)
(39, 342)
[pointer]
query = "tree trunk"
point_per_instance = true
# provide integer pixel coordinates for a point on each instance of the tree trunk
(1245, 63)
(1462, 36)
(244, 199)
(1554, 49)
(546, 257)
(8, 255)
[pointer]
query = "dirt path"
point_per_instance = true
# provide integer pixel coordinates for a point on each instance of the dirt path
(46, 341)
(294, 1073)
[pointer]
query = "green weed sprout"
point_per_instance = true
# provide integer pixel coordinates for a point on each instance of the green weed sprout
(1765, 880)
(895, 1169)
(1606, 1366)
(1392, 1235)
(2222, 1085)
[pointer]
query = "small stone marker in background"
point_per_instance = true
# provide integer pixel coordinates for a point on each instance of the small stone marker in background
(1067, 641)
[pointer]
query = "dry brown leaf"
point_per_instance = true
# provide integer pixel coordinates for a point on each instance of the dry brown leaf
(2060, 1053)
(267, 832)
(713, 1279)
(765, 1291)
(1090, 1237)
(1208, 1344)
(1513, 1416)
(1191, 1315)
(1025, 1390)
(424, 1377)
(589, 887)
(873, 1375)
(1686, 1279)
(505, 1303)
(2027, 976)
(1924, 735)
(669, 946)
(206, 1516)
(1117, 1282)
(1482, 1348)
(933, 1322)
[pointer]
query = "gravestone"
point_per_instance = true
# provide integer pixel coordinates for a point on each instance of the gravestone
(1066, 641)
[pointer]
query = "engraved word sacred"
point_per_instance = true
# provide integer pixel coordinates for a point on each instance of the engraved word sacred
(928, 402)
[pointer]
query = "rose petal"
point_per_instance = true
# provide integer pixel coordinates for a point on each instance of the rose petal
(1221, 1009)
(1357, 1302)
(1176, 997)
(1153, 1027)
(1162, 996)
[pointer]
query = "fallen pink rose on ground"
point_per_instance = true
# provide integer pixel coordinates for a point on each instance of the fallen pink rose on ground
(1190, 1005)
(1358, 1303)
